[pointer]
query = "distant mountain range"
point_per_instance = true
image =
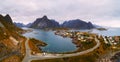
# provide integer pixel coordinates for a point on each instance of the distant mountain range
(22, 25)
(44, 22)
(19, 24)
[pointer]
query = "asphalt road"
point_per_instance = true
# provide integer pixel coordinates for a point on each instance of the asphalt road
(28, 52)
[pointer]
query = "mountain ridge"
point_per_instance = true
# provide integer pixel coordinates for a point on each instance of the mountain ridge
(45, 22)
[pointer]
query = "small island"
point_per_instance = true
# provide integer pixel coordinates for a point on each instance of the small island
(101, 29)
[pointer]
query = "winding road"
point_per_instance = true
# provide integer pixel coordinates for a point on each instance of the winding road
(28, 57)
(28, 52)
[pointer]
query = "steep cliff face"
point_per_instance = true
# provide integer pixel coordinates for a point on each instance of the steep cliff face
(77, 24)
(44, 22)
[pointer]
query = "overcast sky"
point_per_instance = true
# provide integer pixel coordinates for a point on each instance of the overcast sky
(101, 12)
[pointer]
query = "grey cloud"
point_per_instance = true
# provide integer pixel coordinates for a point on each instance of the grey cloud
(89, 10)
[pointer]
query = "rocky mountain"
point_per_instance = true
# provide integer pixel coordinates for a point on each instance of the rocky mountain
(7, 28)
(77, 24)
(10, 38)
(6, 21)
(44, 22)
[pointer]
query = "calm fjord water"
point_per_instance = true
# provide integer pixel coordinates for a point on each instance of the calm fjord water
(59, 44)
(55, 43)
